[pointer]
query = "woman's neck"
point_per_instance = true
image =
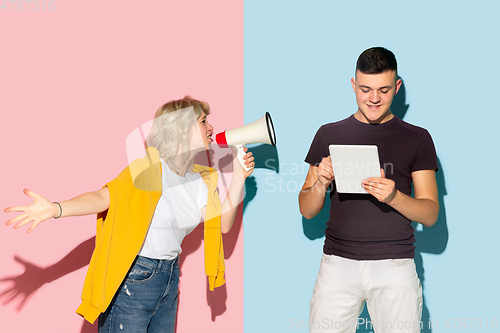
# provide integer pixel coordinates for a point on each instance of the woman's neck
(182, 170)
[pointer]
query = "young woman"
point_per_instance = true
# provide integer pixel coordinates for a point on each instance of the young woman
(143, 216)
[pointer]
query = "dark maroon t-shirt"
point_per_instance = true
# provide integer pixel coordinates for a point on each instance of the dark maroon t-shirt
(360, 227)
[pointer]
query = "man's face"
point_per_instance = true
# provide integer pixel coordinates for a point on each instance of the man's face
(374, 94)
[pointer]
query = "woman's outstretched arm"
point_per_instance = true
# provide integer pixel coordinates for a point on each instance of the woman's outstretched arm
(42, 209)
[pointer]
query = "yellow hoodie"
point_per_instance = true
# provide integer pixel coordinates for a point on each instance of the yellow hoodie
(121, 231)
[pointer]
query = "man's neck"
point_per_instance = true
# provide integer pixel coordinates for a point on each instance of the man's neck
(385, 118)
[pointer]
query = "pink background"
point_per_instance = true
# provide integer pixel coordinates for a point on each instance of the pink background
(74, 83)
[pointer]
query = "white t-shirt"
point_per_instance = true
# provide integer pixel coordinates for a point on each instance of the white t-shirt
(164, 238)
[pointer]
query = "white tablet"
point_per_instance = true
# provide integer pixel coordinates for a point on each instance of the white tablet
(353, 163)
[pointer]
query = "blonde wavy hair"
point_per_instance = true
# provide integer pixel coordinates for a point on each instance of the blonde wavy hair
(171, 131)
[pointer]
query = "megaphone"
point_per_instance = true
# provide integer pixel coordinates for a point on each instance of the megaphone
(260, 131)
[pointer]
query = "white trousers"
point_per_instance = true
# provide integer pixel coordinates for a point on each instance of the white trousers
(390, 288)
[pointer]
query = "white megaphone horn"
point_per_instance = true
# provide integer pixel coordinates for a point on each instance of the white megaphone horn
(260, 131)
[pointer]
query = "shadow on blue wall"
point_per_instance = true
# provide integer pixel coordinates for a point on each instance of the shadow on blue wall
(266, 157)
(428, 240)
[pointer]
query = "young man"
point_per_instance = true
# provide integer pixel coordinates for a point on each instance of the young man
(368, 250)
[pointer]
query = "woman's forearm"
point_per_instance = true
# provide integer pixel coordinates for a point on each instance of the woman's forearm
(231, 202)
(87, 203)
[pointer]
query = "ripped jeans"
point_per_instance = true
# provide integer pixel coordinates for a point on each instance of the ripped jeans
(146, 301)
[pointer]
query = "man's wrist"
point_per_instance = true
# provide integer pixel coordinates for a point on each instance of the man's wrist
(396, 195)
(322, 186)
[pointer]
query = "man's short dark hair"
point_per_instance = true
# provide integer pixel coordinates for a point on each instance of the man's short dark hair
(376, 60)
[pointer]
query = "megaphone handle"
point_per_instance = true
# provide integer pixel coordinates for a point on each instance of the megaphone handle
(242, 153)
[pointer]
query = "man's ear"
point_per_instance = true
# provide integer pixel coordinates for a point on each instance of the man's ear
(353, 82)
(398, 85)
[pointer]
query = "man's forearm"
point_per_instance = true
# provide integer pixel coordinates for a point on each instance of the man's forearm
(424, 211)
(312, 199)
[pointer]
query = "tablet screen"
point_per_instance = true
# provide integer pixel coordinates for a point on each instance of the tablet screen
(353, 163)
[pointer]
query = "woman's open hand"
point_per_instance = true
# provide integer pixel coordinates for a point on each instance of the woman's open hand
(40, 210)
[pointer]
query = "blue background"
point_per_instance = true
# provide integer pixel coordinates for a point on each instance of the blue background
(299, 59)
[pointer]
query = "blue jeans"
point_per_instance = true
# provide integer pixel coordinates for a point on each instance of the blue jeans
(146, 301)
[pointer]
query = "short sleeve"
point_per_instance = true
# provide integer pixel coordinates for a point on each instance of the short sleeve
(202, 196)
(425, 154)
(318, 149)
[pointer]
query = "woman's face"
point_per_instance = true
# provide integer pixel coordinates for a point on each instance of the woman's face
(203, 137)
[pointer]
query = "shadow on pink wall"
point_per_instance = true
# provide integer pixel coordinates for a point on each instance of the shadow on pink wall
(216, 299)
(25, 285)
